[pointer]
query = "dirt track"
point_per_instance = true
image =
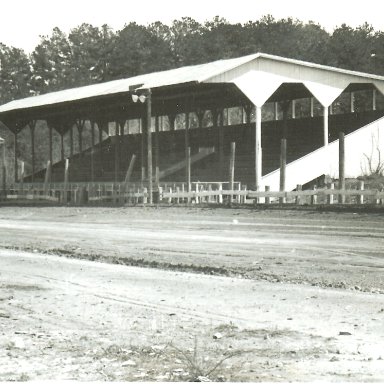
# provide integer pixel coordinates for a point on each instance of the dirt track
(99, 321)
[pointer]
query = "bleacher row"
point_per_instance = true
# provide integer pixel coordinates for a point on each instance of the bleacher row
(303, 136)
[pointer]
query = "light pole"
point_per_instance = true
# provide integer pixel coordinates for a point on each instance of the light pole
(4, 176)
(145, 97)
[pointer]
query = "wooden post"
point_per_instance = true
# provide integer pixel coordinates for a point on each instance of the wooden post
(71, 141)
(220, 195)
(62, 145)
(66, 178)
(48, 176)
(374, 93)
(285, 107)
(4, 173)
(130, 169)
(299, 188)
(22, 178)
(92, 151)
(276, 111)
(314, 197)
(32, 125)
(352, 102)
(360, 199)
(187, 153)
(293, 109)
(142, 151)
(149, 145)
(312, 101)
(325, 126)
(330, 196)
(100, 128)
(283, 163)
(220, 127)
(258, 155)
(80, 125)
(341, 167)
(157, 166)
(50, 143)
(197, 200)
(15, 156)
(232, 169)
(267, 198)
(188, 170)
(116, 152)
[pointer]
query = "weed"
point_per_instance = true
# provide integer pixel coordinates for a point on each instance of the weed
(202, 368)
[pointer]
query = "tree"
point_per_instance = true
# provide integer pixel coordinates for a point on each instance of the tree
(138, 50)
(51, 62)
(351, 48)
(15, 74)
(92, 49)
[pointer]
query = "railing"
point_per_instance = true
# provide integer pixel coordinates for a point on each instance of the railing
(178, 193)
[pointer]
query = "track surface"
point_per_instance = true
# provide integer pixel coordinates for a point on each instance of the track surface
(76, 319)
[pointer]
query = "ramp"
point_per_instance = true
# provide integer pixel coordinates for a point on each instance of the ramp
(363, 144)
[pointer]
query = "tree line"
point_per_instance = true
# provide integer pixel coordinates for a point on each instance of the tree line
(89, 54)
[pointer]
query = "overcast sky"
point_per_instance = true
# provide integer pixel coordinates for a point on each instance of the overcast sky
(23, 21)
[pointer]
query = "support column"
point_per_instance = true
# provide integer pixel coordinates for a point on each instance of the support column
(157, 169)
(50, 143)
(116, 150)
(325, 126)
(285, 118)
(142, 151)
(352, 102)
(312, 106)
(15, 156)
(71, 141)
(100, 125)
(258, 155)
(62, 145)
(32, 125)
(187, 157)
(149, 145)
(374, 94)
(92, 151)
(293, 109)
(80, 125)
(220, 126)
(276, 110)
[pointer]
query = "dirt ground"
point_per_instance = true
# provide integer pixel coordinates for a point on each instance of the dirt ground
(226, 294)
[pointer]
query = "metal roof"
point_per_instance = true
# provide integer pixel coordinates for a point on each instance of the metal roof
(198, 74)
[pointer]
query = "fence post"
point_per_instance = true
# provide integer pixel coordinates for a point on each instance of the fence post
(283, 163)
(314, 197)
(361, 188)
(210, 190)
(267, 198)
(231, 169)
(220, 195)
(341, 167)
(197, 200)
(21, 190)
(145, 199)
(47, 177)
(299, 188)
(170, 198)
(330, 196)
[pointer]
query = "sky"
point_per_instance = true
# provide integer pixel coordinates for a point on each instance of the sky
(23, 21)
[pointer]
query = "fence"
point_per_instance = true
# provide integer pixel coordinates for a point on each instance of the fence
(178, 193)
